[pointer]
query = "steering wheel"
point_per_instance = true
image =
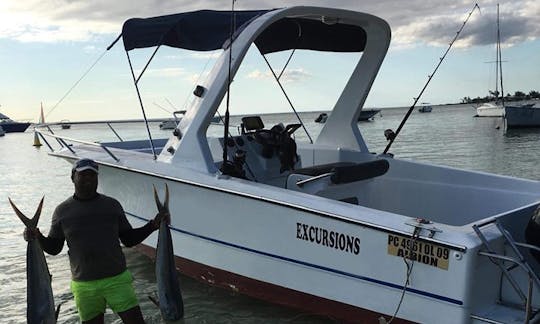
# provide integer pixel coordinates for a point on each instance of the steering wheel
(266, 137)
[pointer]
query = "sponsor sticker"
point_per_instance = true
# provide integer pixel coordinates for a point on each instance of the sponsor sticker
(427, 253)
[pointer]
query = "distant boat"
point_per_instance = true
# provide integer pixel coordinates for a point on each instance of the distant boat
(172, 123)
(368, 114)
(495, 109)
(11, 126)
(425, 108)
(65, 124)
(365, 115)
(522, 116)
(168, 124)
(321, 118)
(490, 109)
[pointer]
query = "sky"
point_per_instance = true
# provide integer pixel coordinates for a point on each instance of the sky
(52, 53)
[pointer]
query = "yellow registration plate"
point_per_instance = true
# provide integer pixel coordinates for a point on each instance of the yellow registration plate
(428, 253)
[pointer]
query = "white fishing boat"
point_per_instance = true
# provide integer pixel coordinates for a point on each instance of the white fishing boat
(496, 108)
(326, 226)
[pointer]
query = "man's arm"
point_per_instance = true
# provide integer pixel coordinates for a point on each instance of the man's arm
(51, 245)
(133, 236)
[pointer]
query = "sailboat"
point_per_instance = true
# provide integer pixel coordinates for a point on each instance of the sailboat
(495, 109)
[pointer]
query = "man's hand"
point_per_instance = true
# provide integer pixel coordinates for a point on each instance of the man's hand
(30, 234)
(162, 216)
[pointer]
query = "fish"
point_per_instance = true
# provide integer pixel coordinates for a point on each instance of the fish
(40, 299)
(171, 304)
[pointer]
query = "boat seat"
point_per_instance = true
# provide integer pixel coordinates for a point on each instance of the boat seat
(344, 172)
(322, 168)
(319, 177)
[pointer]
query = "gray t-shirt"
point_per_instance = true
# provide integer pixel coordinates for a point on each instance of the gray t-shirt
(91, 229)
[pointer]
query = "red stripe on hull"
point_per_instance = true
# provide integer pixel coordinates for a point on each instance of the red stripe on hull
(272, 293)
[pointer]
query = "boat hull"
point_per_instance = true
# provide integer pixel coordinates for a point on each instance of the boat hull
(490, 110)
(15, 127)
(522, 117)
(366, 115)
(257, 244)
(271, 293)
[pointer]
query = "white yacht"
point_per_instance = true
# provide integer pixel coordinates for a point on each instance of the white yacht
(490, 109)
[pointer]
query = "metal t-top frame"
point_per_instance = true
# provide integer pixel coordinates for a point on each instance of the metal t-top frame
(136, 83)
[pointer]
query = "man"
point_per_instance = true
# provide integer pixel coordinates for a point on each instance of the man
(93, 226)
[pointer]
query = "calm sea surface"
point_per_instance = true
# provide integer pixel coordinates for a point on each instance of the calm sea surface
(448, 136)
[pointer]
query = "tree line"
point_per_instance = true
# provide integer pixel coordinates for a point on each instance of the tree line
(493, 95)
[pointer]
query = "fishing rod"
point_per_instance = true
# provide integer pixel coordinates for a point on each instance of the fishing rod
(226, 167)
(390, 135)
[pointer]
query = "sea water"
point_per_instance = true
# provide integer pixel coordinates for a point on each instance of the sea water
(449, 135)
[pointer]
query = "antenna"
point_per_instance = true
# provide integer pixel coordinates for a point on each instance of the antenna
(226, 166)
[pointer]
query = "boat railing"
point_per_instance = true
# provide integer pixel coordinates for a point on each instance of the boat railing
(63, 142)
(518, 261)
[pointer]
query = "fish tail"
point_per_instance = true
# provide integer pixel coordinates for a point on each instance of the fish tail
(28, 222)
(165, 205)
(57, 311)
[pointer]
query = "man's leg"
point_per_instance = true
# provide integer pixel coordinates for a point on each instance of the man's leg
(89, 301)
(132, 316)
(121, 298)
(96, 320)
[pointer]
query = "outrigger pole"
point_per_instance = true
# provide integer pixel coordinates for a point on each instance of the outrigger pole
(392, 137)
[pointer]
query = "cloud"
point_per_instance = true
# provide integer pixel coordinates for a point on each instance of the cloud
(413, 22)
(163, 72)
(291, 75)
(206, 55)
(516, 26)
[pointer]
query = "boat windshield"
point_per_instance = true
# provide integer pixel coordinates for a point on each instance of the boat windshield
(304, 86)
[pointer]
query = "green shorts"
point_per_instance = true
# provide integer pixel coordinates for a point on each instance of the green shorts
(92, 297)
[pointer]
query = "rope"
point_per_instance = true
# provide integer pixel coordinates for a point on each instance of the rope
(410, 266)
(76, 83)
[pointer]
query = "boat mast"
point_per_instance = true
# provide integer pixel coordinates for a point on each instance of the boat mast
(499, 57)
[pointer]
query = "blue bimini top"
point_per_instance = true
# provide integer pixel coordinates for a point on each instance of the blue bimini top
(208, 30)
